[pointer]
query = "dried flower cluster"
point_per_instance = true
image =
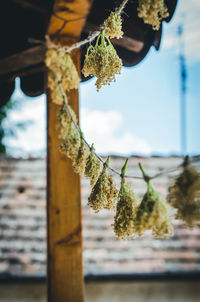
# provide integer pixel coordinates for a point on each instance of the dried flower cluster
(53, 86)
(104, 192)
(132, 218)
(81, 160)
(68, 135)
(152, 12)
(65, 116)
(153, 214)
(73, 146)
(184, 195)
(61, 66)
(102, 61)
(124, 221)
(113, 26)
(93, 168)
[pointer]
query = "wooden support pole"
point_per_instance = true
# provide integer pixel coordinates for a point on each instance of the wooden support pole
(65, 271)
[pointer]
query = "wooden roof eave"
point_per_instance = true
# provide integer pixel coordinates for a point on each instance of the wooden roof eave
(28, 61)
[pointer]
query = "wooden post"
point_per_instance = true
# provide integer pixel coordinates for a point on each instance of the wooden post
(65, 270)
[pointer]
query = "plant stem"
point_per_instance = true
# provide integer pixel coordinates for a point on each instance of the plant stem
(145, 176)
(123, 171)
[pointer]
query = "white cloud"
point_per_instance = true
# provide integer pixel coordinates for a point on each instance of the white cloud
(30, 141)
(188, 13)
(102, 129)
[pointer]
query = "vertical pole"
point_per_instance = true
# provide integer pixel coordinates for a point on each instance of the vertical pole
(65, 271)
(64, 223)
(183, 90)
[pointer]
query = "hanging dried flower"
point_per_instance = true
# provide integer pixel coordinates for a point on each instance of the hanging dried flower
(56, 95)
(104, 192)
(93, 167)
(152, 12)
(124, 221)
(69, 135)
(65, 115)
(81, 160)
(102, 61)
(184, 195)
(113, 26)
(62, 65)
(70, 145)
(153, 214)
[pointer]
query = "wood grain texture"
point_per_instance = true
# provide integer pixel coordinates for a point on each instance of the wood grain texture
(65, 269)
(24, 59)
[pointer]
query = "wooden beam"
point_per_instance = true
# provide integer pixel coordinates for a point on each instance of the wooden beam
(65, 269)
(19, 61)
(129, 43)
(126, 42)
(15, 64)
(28, 5)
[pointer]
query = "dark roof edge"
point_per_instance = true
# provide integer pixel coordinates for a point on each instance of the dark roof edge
(116, 277)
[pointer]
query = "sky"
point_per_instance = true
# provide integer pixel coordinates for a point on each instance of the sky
(140, 112)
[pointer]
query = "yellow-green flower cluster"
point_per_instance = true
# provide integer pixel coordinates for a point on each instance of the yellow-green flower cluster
(102, 61)
(152, 12)
(65, 115)
(56, 95)
(81, 160)
(153, 214)
(104, 192)
(113, 26)
(124, 221)
(61, 64)
(68, 135)
(92, 168)
(73, 146)
(184, 195)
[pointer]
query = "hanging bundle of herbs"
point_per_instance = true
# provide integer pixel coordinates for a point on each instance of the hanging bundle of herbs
(104, 192)
(102, 61)
(184, 195)
(152, 12)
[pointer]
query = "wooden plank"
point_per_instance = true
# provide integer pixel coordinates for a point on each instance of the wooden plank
(31, 6)
(23, 73)
(16, 64)
(126, 42)
(19, 61)
(65, 269)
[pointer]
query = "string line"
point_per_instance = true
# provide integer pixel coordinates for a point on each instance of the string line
(162, 173)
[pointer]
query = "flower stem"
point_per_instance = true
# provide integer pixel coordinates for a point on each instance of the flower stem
(145, 176)
(123, 170)
(106, 163)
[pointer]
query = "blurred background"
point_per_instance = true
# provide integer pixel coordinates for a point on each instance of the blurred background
(151, 113)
